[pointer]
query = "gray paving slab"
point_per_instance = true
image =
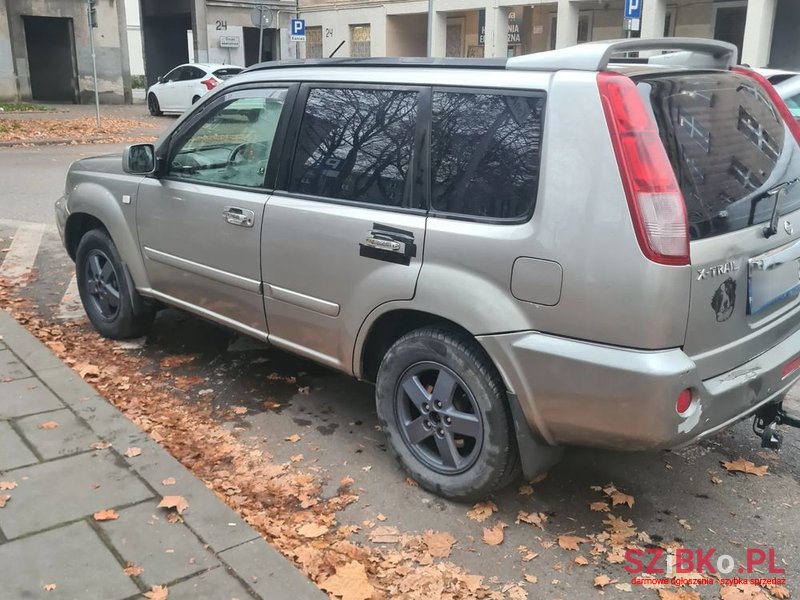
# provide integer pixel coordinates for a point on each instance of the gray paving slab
(11, 367)
(70, 488)
(72, 557)
(217, 584)
(35, 354)
(13, 451)
(25, 397)
(218, 525)
(71, 435)
(266, 570)
(165, 551)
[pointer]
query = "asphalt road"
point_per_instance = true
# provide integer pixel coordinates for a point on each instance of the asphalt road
(675, 498)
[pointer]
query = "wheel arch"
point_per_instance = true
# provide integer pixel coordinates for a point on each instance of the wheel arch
(382, 330)
(92, 206)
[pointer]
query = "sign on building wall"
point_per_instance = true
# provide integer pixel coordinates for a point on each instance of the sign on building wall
(229, 41)
(514, 37)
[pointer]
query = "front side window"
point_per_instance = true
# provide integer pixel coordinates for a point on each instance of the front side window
(360, 41)
(485, 153)
(232, 146)
(356, 144)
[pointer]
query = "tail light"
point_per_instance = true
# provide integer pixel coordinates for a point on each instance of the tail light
(684, 402)
(791, 122)
(790, 367)
(210, 83)
(654, 198)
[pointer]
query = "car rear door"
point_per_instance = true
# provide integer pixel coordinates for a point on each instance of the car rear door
(346, 231)
(199, 223)
(734, 157)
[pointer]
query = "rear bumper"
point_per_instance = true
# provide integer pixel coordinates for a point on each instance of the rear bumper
(575, 392)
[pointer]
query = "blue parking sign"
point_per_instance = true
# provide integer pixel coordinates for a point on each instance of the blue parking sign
(633, 9)
(298, 30)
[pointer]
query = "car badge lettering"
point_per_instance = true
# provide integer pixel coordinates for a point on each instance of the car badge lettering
(716, 270)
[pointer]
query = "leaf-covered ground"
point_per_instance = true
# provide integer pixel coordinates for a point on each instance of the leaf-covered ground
(82, 130)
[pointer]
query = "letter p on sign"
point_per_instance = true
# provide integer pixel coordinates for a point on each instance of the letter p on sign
(298, 30)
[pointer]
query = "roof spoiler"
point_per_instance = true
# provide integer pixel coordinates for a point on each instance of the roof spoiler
(595, 56)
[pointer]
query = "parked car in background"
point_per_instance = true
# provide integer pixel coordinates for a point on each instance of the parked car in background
(789, 90)
(522, 254)
(776, 76)
(186, 84)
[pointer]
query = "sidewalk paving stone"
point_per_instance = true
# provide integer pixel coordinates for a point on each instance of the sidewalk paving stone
(11, 367)
(217, 584)
(68, 489)
(13, 451)
(72, 557)
(25, 397)
(263, 567)
(70, 437)
(165, 551)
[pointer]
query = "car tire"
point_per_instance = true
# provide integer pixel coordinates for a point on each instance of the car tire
(454, 436)
(153, 106)
(114, 308)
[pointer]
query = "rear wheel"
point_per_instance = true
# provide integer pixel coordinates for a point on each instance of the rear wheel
(104, 289)
(443, 410)
(153, 105)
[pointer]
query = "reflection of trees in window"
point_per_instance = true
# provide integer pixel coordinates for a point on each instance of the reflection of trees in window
(485, 153)
(356, 144)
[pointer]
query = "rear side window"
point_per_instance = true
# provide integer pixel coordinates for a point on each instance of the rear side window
(485, 153)
(226, 73)
(356, 144)
(727, 144)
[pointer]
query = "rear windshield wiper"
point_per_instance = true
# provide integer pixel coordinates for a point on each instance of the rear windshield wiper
(778, 191)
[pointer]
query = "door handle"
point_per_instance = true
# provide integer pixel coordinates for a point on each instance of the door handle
(241, 217)
(386, 244)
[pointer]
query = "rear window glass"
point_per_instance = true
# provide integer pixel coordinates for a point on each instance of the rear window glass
(727, 144)
(485, 154)
(226, 73)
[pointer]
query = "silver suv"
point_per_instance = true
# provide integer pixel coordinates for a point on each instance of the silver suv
(572, 247)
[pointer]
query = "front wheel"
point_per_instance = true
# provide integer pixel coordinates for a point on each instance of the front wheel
(104, 289)
(443, 409)
(153, 105)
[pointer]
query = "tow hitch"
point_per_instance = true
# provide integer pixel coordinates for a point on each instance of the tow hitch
(765, 425)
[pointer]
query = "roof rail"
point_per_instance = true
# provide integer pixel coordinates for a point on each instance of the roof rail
(464, 63)
(595, 56)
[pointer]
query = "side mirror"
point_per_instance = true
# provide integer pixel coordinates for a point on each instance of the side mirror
(139, 159)
(160, 79)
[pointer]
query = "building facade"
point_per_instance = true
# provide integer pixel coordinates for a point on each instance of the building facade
(764, 30)
(218, 31)
(45, 51)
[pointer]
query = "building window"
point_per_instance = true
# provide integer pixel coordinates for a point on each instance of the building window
(313, 42)
(359, 41)
(584, 28)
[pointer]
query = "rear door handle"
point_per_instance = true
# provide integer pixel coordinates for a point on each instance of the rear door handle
(388, 245)
(241, 217)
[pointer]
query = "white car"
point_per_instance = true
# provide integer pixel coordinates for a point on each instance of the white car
(185, 84)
